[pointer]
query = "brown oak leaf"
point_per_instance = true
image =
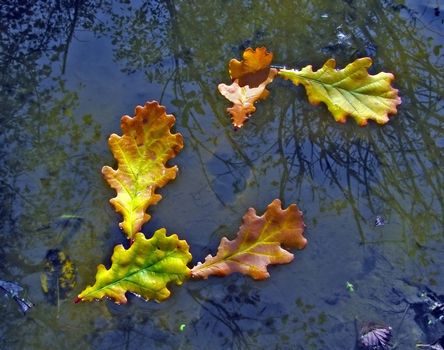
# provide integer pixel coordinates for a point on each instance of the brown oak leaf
(254, 67)
(258, 243)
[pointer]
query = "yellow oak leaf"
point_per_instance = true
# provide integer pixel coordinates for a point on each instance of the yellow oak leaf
(349, 91)
(141, 153)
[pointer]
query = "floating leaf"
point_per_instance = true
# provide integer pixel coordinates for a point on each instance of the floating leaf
(350, 91)
(258, 244)
(144, 269)
(250, 78)
(254, 67)
(243, 98)
(142, 152)
(375, 337)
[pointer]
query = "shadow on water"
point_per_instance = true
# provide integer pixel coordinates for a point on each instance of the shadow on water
(342, 176)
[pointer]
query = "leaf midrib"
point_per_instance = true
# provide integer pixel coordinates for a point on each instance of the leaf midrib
(248, 250)
(354, 92)
(110, 285)
(134, 174)
(342, 91)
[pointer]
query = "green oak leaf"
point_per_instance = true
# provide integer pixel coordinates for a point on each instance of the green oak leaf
(349, 91)
(143, 269)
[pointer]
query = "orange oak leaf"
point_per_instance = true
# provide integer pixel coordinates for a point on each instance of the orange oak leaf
(258, 244)
(250, 78)
(254, 67)
(141, 153)
(244, 97)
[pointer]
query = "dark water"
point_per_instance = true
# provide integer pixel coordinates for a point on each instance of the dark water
(71, 69)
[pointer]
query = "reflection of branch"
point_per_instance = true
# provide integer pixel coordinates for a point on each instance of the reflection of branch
(177, 36)
(281, 150)
(72, 28)
(17, 192)
(393, 167)
(167, 82)
(224, 317)
(204, 170)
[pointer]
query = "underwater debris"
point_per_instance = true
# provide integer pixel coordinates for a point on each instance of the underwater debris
(429, 312)
(437, 345)
(379, 221)
(13, 290)
(349, 286)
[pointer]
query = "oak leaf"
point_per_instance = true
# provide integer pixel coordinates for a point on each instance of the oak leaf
(59, 276)
(258, 243)
(349, 91)
(254, 67)
(250, 78)
(243, 98)
(141, 153)
(144, 269)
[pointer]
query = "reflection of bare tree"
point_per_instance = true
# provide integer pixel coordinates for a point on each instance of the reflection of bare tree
(48, 156)
(47, 149)
(45, 146)
(239, 319)
(133, 332)
(290, 149)
(391, 170)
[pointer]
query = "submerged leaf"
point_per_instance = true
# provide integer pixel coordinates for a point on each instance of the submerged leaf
(243, 98)
(258, 244)
(350, 91)
(144, 269)
(141, 152)
(250, 79)
(59, 276)
(375, 337)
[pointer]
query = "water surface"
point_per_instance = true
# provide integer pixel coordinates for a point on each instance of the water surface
(70, 70)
